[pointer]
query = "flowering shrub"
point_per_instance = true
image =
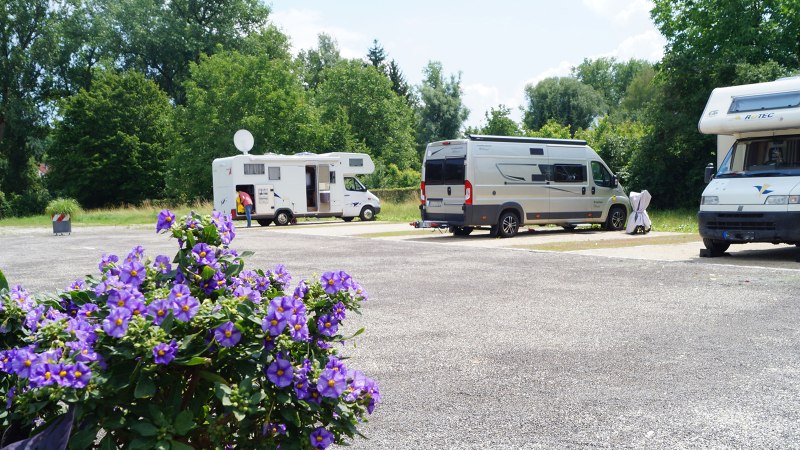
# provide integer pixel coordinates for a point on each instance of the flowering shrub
(193, 351)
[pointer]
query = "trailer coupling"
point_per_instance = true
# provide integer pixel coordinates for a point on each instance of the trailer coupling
(429, 224)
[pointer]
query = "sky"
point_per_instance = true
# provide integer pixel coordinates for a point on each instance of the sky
(497, 46)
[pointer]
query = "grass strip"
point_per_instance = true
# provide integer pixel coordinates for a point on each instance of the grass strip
(635, 241)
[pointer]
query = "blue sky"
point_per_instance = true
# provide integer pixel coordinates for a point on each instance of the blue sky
(498, 46)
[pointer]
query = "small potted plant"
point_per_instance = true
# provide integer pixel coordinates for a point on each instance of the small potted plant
(61, 210)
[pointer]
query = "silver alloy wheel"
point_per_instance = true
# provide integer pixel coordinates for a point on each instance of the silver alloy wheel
(509, 224)
(367, 214)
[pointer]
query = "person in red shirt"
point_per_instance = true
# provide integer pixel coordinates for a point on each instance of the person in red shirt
(247, 202)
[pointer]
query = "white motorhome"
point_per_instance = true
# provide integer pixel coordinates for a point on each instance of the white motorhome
(755, 194)
(284, 187)
(503, 182)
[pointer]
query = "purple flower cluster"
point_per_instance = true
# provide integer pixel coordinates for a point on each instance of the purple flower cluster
(286, 311)
(333, 282)
(47, 368)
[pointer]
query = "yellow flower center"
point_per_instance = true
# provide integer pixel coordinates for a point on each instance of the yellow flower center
(280, 309)
(227, 333)
(300, 385)
(178, 295)
(279, 372)
(327, 324)
(27, 363)
(168, 219)
(298, 327)
(47, 375)
(331, 282)
(185, 308)
(63, 373)
(319, 438)
(160, 312)
(88, 313)
(134, 273)
(118, 322)
(331, 383)
(161, 353)
(273, 322)
(78, 374)
(202, 254)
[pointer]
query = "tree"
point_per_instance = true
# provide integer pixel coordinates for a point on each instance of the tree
(609, 77)
(315, 61)
(160, 38)
(499, 123)
(376, 55)
(378, 117)
(399, 84)
(706, 42)
(112, 143)
(230, 91)
(565, 100)
(441, 112)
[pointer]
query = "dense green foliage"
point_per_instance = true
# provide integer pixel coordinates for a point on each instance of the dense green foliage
(564, 99)
(113, 141)
(441, 113)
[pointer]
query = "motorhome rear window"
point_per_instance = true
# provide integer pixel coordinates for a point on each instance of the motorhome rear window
(274, 173)
(444, 171)
(254, 169)
(763, 102)
(356, 162)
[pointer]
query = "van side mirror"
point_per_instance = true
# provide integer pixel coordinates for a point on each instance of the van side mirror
(614, 181)
(709, 175)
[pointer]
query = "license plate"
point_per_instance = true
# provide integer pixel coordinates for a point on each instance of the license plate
(434, 203)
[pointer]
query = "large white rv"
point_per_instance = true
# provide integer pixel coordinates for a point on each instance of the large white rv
(755, 194)
(284, 187)
(503, 182)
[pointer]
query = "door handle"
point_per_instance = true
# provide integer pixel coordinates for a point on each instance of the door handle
(583, 190)
(448, 190)
(592, 190)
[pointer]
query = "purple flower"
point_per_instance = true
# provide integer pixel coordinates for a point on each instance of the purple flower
(281, 276)
(245, 293)
(46, 374)
(279, 305)
(280, 372)
(321, 438)
(373, 393)
(81, 328)
(6, 360)
(24, 362)
(165, 220)
(274, 323)
(346, 280)
(339, 311)
(34, 316)
(227, 335)
(262, 284)
(274, 429)
(162, 264)
(87, 311)
(133, 273)
(356, 382)
(108, 263)
(158, 310)
(116, 324)
(360, 292)
(269, 342)
(327, 325)
(301, 387)
(301, 290)
(123, 298)
(191, 223)
(296, 307)
(331, 282)
(77, 285)
(331, 383)
(22, 298)
(184, 306)
(298, 327)
(218, 281)
(79, 375)
(335, 363)
(163, 353)
(178, 292)
(203, 254)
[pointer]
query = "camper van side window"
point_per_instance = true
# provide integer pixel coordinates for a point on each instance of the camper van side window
(274, 173)
(600, 175)
(254, 169)
(780, 100)
(356, 162)
(434, 172)
(570, 173)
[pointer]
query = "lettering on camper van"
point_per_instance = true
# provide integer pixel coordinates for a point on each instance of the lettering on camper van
(759, 116)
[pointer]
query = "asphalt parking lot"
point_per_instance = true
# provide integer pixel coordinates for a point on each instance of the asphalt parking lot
(546, 340)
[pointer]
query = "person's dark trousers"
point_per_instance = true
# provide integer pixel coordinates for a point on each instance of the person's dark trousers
(247, 209)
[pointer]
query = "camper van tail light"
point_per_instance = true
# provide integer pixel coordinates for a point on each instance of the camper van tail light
(422, 192)
(709, 200)
(794, 199)
(467, 192)
(777, 200)
(233, 212)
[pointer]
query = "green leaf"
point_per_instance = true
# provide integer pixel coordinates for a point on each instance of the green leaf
(193, 361)
(257, 398)
(184, 422)
(167, 323)
(355, 334)
(162, 445)
(247, 254)
(3, 281)
(84, 438)
(146, 429)
(180, 446)
(208, 272)
(157, 415)
(291, 415)
(213, 377)
(141, 443)
(108, 443)
(239, 415)
(144, 388)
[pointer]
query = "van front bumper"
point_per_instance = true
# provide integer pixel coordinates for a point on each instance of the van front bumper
(742, 227)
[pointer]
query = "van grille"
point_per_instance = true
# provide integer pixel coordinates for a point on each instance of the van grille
(741, 222)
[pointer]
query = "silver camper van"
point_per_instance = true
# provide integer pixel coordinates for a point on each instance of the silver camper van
(503, 182)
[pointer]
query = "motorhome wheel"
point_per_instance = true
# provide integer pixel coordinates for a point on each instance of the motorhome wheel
(509, 225)
(347, 219)
(282, 218)
(462, 231)
(616, 218)
(715, 247)
(264, 222)
(367, 213)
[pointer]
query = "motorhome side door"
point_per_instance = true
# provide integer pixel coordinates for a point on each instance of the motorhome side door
(569, 190)
(602, 189)
(264, 200)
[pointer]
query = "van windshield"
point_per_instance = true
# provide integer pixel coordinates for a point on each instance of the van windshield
(773, 156)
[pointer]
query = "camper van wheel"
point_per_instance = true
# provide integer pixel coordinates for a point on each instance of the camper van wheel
(347, 219)
(568, 227)
(716, 248)
(264, 222)
(367, 214)
(461, 231)
(282, 218)
(616, 218)
(508, 225)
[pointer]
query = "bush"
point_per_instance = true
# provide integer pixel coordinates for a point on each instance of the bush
(29, 203)
(199, 354)
(63, 206)
(397, 195)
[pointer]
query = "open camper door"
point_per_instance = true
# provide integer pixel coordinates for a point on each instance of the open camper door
(324, 187)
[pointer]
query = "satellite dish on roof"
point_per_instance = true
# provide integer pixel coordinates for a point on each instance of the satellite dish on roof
(243, 141)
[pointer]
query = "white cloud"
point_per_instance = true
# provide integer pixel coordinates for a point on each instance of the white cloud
(621, 11)
(561, 70)
(648, 45)
(303, 26)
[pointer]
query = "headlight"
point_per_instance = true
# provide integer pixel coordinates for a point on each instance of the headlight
(777, 200)
(709, 200)
(794, 199)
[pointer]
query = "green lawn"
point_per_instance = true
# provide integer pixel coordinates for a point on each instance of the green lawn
(683, 221)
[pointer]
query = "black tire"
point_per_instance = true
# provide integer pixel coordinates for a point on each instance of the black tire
(367, 214)
(569, 226)
(283, 218)
(715, 247)
(347, 219)
(462, 231)
(264, 222)
(617, 216)
(508, 225)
